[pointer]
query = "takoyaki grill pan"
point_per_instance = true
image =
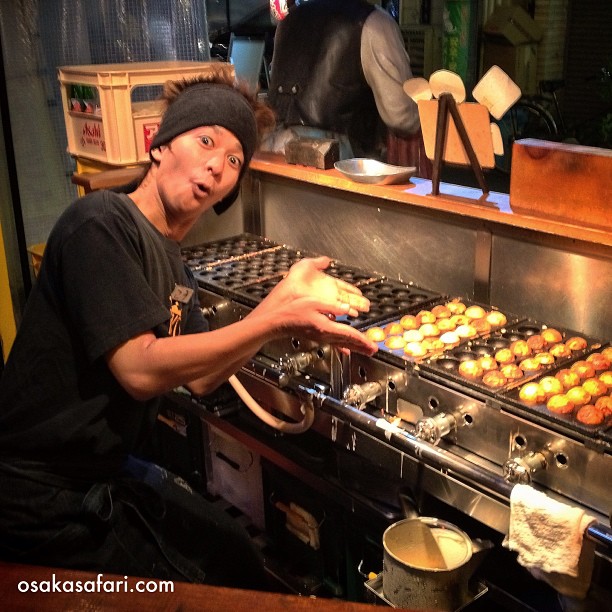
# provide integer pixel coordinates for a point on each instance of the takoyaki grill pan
(445, 368)
(447, 364)
(511, 401)
(390, 298)
(399, 358)
(246, 269)
(208, 255)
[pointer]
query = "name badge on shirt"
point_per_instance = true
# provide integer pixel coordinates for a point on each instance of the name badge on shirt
(178, 298)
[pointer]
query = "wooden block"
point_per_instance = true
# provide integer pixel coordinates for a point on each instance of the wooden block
(561, 181)
(316, 152)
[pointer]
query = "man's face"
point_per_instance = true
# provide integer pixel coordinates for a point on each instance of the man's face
(197, 170)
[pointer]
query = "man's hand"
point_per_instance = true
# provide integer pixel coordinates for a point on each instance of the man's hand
(307, 279)
(307, 301)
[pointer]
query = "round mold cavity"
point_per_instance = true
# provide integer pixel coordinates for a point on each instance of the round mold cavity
(482, 349)
(448, 364)
(464, 355)
(513, 335)
(529, 330)
(388, 308)
(418, 297)
(498, 343)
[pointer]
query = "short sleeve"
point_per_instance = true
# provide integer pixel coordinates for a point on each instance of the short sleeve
(110, 291)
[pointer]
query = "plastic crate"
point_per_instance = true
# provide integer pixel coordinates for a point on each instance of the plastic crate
(107, 125)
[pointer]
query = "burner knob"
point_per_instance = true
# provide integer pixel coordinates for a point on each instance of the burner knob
(519, 470)
(433, 429)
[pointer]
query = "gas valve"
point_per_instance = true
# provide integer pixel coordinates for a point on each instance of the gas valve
(290, 365)
(433, 429)
(360, 395)
(519, 470)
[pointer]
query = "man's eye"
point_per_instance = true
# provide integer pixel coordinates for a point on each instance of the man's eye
(207, 140)
(235, 161)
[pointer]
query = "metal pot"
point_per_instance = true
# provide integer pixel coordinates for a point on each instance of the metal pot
(427, 564)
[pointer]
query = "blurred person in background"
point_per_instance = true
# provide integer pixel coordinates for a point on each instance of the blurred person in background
(337, 71)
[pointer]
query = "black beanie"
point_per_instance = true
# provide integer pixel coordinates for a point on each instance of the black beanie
(211, 104)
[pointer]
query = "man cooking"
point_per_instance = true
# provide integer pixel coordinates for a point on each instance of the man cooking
(112, 324)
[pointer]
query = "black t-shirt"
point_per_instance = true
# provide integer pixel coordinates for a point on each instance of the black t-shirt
(107, 275)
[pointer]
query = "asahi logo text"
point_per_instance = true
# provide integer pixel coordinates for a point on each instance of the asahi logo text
(92, 131)
(91, 134)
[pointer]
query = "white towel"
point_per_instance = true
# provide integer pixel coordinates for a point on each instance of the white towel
(548, 537)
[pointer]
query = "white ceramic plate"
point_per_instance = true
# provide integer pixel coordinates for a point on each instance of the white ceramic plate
(373, 172)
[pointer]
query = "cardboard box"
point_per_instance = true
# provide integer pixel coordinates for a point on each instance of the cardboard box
(514, 25)
(511, 42)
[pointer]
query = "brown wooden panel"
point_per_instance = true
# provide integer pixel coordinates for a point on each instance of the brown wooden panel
(560, 181)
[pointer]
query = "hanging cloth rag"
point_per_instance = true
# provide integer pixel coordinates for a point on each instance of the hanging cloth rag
(549, 538)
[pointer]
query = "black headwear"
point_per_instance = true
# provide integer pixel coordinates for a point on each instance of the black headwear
(211, 104)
